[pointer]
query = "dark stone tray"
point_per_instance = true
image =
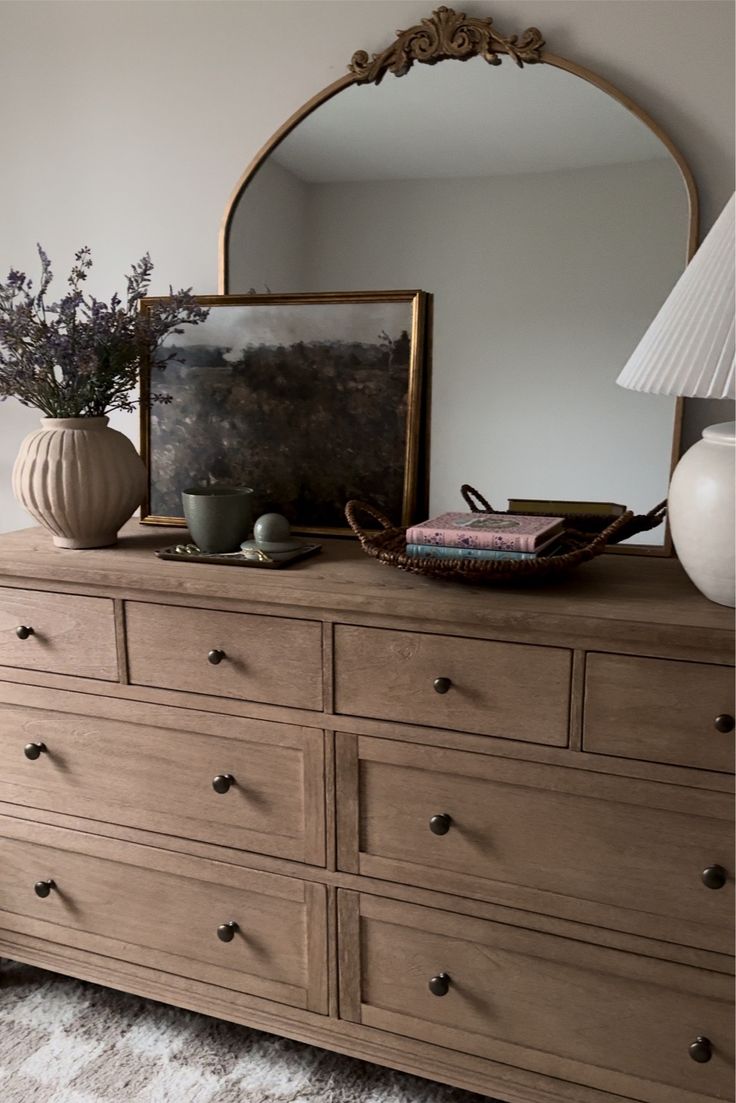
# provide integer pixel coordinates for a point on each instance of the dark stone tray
(233, 560)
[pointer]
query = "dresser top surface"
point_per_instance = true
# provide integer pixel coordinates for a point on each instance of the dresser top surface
(639, 589)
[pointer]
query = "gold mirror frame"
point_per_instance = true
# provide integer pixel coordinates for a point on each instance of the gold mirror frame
(449, 35)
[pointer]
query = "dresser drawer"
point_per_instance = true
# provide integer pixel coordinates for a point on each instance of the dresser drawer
(271, 659)
(600, 1017)
(165, 911)
(514, 691)
(63, 633)
(611, 851)
(660, 711)
(160, 778)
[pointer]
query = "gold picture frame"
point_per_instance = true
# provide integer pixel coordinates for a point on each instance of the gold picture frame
(226, 420)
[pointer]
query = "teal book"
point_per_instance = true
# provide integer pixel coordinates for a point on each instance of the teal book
(440, 552)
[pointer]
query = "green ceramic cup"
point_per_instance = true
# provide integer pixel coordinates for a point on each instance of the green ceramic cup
(219, 518)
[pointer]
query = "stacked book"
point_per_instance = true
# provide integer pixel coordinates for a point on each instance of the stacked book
(569, 509)
(484, 536)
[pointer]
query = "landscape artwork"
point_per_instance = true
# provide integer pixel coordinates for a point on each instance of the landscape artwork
(311, 400)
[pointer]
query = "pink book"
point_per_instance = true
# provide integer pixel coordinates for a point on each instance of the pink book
(499, 531)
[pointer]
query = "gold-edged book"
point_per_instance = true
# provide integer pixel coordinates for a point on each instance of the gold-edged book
(554, 507)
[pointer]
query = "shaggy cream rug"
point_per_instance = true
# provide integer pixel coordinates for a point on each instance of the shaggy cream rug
(66, 1041)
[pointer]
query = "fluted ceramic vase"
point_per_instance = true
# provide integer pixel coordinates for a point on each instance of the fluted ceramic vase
(80, 479)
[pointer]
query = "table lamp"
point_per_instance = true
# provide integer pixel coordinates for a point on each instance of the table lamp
(689, 350)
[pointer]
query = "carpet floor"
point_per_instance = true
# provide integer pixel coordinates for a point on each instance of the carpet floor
(66, 1041)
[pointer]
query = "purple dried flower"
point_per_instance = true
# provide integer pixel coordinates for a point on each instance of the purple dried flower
(80, 356)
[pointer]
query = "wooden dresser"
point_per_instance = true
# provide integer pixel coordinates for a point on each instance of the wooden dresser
(483, 836)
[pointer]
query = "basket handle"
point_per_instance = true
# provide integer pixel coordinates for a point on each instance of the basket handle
(354, 507)
(659, 512)
(614, 527)
(473, 497)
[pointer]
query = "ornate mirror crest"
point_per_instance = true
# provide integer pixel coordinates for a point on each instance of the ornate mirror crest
(447, 35)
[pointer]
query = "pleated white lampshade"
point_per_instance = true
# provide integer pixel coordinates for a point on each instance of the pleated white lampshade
(689, 347)
(688, 350)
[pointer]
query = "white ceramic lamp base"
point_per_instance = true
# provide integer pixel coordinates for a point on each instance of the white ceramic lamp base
(701, 508)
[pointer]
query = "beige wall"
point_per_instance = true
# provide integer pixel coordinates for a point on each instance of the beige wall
(131, 122)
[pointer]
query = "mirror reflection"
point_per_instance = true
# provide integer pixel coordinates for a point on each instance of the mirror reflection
(548, 222)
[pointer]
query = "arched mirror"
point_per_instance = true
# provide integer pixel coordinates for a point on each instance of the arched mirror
(546, 214)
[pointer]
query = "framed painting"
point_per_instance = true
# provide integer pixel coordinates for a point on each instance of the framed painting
(311, 400)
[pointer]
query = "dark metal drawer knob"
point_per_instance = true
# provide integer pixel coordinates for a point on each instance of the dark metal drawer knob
(724, 723)
(23, 631)
(215, 657)
(441, 685)
(440, 985)
(222, 782)
(43, 888)
(34, 750)
(714, 877)
(701, 1050)
(440, 824)
(226, 931)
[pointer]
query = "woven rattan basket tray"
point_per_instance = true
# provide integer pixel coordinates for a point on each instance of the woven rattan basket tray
(575, 546)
